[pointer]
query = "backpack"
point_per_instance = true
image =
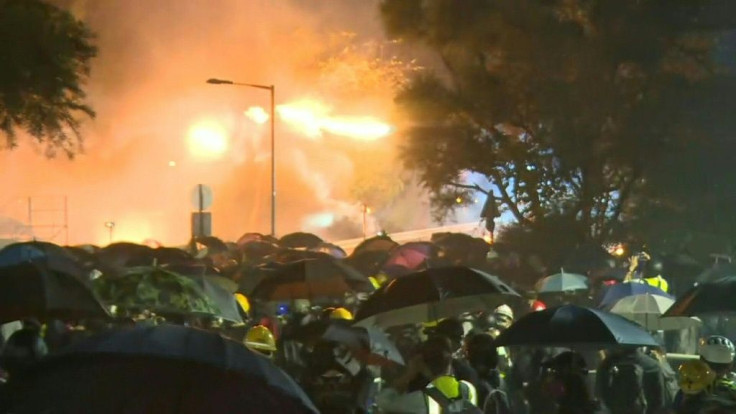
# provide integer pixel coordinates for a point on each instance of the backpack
(623, 393)
(459, 405)
(496, 403)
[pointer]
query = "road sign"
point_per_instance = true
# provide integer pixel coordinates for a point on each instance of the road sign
(201, 197)
(201, 225)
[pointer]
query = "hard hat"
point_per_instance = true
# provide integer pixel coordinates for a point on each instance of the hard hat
(717, 350)
(341, 313)
(695, 376)
(538, 305)
(504, 310)
(260, 339)
(243, 302)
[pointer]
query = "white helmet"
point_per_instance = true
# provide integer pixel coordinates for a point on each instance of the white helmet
(718, 350)
(504, 310)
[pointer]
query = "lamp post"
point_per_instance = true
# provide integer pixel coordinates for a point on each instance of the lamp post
(110, 229)
(272, 90)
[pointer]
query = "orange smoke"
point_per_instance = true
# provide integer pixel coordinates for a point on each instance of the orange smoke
(314, 118)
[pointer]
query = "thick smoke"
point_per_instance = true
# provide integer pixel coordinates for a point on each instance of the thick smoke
(148, 88)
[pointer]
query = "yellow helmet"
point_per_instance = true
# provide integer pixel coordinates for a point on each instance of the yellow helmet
(695, 376)
(341, 313)
(374, 282)
(243, 302)
(260, 339)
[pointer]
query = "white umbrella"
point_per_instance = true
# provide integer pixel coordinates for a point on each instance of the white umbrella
(647, 310)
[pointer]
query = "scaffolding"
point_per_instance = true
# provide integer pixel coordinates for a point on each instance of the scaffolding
(36, 218)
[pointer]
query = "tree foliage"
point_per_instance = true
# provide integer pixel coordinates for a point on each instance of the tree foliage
(566, 107)
(45, 56)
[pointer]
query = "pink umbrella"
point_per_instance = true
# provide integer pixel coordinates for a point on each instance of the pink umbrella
(412, 255)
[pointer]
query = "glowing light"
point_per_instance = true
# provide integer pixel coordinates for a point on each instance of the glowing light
(314, 118)
(488, 239)
(257, 114)
(172, 163)
(321, 220)
(207, 140)
(459, 200)
(619, 250)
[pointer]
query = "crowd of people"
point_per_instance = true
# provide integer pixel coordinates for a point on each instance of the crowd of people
(450, 364)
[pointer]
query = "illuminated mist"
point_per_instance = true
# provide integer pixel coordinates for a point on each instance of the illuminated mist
(161, 129)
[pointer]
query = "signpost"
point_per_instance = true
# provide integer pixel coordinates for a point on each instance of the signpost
(201, 220)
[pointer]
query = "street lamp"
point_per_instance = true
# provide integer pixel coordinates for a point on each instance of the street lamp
(110, 228)
(272, 89)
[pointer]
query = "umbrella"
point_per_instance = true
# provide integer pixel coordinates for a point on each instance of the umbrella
(332, 249)
(44, 254)
(309, 279)
(160, 369)
(171, 255)
(433, 294)
(369, 262)
(199, 269)
(574, 326)
(249, 237)
(212, 244)
(300, 240)
(710, 297)
(460, 247)
(286, 256)
(647, 310)
(375, 244)
(118, 256)
(155, 289)
(28, 290)
(256, 249)
(368, 345)
(411, 255)
(621, 290)
(717, 271)
(562, 282)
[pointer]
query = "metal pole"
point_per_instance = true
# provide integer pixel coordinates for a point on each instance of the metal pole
(273, 161)
(365, 211)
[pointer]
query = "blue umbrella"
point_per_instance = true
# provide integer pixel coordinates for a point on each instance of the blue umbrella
(621, 290)
(574, 326)
(562, 282)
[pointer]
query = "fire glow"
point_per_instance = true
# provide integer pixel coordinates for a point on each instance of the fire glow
(314, 119)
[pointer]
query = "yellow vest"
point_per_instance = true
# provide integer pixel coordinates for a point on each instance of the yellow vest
(658, 282)
(450, 387)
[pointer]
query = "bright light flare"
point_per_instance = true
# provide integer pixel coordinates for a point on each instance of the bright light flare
(314, 119)
(207, 140)
(257, 114)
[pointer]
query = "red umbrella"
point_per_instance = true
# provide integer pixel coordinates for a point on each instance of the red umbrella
(412, 255)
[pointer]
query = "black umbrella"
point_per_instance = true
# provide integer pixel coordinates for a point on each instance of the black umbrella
(574, 326)
(368, 263)
(716, 272)
(43, 254)
(118, 256)
(709, 297)
(300, 240)
(369, 345)
(375, 244)
(310, 279)
(162, 369)
(433, 294)
(31, 291)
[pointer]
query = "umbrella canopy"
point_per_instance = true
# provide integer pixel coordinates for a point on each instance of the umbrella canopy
(171, 255)
(411, 255)
(375, 244)
(249, 237)
(161, 369)
(711, 297)
(433, 294)
(157, 290)
(460, 248)
(368, 263)
(212, 244)
(221, 297)
(716, 272)
(300, 240)
(574, 326)
(310, 279)
(621, 290)
(31, 291)
(332, 249)
(256, 249)
(562, 282)
(44, 254)
(647, 310)
(368, 345)
(118, 256)
(199, 269)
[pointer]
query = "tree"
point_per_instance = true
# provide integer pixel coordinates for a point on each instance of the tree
(45, 56)
(565, 107)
